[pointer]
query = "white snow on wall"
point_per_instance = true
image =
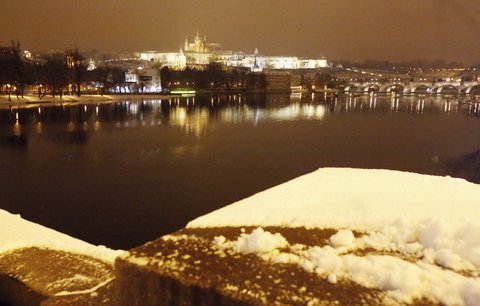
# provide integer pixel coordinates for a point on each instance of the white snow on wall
(430, 224)
(260, 241)
(402, 280)
(16, 232)
(348, 198)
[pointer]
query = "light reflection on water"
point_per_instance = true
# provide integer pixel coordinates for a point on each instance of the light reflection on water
(195, 114)
(140, 169)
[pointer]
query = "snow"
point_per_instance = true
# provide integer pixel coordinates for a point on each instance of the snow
(362, 199)
(424, 230)
(342, 238)
(402, 280)
(33, 101)
(16, 232)
(259, 241)
(89, 290)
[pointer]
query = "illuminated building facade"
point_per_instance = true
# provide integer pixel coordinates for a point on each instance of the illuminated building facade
(175, 60)
(196, 53)
(200, 45)
(200, 53)
(144, 79)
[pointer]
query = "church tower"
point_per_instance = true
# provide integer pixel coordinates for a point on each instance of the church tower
(198, 43)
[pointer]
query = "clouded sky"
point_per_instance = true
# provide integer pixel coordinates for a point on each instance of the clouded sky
(337, 29)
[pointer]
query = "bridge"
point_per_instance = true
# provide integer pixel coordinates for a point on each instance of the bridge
(415, 87)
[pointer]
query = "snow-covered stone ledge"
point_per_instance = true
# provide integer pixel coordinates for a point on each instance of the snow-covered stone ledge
(347, 236)
(334, 236)
(41, 266)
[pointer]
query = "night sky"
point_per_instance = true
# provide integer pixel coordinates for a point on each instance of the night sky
(353, 30)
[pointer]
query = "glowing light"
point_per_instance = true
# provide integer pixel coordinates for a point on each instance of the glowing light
(71, 126)
(183, 92)
(17, 129)
(39, 128)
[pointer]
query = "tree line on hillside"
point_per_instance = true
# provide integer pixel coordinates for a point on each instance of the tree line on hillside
(52, 73)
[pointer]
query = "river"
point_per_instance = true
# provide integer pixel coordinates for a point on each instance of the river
(126, 172)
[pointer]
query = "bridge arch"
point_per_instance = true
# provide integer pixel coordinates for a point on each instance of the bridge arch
(394, 88)
(371, 88)
(473, 90)
(352, 88)
(349, 88)
(420, 89)
(407, 89)
(447, 90)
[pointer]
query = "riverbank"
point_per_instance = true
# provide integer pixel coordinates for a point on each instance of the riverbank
(34, 100)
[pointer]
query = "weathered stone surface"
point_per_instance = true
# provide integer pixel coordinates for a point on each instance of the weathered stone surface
(101, 296)
(35, 276)
(185, 268)
(140, 286)
(14, 292)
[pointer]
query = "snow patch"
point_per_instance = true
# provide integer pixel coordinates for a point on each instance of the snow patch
(355, 199)
(259, 241)
(16, 233)
(402, 281)
(424, 235)
(343, 238)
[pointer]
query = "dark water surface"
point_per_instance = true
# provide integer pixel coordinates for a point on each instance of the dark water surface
(126, 172)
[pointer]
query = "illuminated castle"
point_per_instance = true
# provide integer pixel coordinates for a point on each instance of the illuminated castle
(200, 45)
(198, 53)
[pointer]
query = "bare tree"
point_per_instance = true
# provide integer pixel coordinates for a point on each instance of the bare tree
(12, 69)
(75, 62)
(54, 73)
(18, 73)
